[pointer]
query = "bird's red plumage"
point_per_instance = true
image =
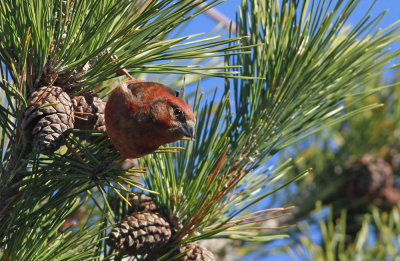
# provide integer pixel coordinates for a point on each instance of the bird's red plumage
(139, 118)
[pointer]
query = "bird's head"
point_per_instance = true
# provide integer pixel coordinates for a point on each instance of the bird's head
(173, 115)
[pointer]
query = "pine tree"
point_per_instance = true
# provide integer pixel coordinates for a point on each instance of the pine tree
(287, 75)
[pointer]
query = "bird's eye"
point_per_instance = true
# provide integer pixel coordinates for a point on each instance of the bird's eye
(178, 113)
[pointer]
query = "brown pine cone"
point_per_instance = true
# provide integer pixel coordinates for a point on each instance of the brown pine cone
(48, 119)
(195, 252)
(372, 175)
(89, 111)
(372, 182)
(141, 202)
(139, 234)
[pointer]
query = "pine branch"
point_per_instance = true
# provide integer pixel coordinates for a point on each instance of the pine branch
(303, 91)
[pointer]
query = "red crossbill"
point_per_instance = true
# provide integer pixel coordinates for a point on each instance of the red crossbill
(142, 116)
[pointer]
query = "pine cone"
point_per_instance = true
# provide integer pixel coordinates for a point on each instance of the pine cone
(141, 202)
(371, 176)
(195, 253)
(89, 110)
(139, 234)
(48, 119)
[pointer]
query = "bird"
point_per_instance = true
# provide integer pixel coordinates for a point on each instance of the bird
(142, 116)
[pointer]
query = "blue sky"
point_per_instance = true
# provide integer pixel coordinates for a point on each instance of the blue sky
(205, 24)
(230, 7)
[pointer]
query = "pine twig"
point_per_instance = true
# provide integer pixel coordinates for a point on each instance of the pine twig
(219, 17)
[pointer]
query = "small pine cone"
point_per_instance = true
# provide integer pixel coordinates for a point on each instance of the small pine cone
(372, 176)
(48, 119)
(89, 110)
(195, 252)
(139, 234)
(141, 202)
